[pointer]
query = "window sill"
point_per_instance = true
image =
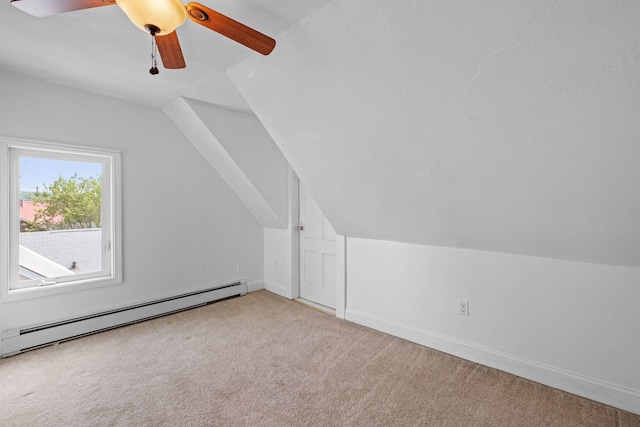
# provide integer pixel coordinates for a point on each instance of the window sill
(62, 288)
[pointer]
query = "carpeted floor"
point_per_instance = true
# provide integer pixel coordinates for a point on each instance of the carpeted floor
(261, 360)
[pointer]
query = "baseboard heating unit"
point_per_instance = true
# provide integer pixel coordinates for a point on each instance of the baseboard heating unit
(20, 340)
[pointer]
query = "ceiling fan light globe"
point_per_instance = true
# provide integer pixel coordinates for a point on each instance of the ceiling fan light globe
(167, 15)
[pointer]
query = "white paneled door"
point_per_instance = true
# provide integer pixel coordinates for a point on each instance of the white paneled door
(317, 253)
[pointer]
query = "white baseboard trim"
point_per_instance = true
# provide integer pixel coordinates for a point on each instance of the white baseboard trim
(277, 289)
(591, 388)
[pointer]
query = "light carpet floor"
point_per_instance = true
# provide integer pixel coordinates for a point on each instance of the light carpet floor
(261, 360)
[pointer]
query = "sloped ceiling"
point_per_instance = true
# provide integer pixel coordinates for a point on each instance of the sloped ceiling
(241, 151)
(510, 126)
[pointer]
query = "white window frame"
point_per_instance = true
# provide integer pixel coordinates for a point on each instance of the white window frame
(111, 273)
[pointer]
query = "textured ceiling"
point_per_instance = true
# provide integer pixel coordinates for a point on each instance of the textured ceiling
(101, 51)
(508, 126)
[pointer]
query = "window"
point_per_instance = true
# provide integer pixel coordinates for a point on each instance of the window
(64, 218)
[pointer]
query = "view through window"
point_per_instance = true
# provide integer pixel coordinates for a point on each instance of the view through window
(60, 218)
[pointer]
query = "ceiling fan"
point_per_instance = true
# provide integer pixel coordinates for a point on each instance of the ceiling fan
(160, 18)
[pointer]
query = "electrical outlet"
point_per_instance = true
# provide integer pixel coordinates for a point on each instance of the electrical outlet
(238, 267)
(463, 307)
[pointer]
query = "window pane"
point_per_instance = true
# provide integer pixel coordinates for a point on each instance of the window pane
(60, 218)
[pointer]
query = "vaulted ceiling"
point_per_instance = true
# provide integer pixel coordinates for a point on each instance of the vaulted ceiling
(499, 125)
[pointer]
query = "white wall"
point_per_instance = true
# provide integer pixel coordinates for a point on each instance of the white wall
(278, 276)
(184, 229)
(568, 324)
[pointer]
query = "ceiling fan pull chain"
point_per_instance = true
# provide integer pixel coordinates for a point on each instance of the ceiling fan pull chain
(154, 63)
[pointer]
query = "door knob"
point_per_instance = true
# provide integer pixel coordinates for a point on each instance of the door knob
(300, 227)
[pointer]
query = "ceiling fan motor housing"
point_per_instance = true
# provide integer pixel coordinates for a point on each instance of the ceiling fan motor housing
(197, 13)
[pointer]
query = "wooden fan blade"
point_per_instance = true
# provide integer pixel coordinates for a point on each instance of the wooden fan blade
(170, 51)
(229, 28)
(42, 8)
